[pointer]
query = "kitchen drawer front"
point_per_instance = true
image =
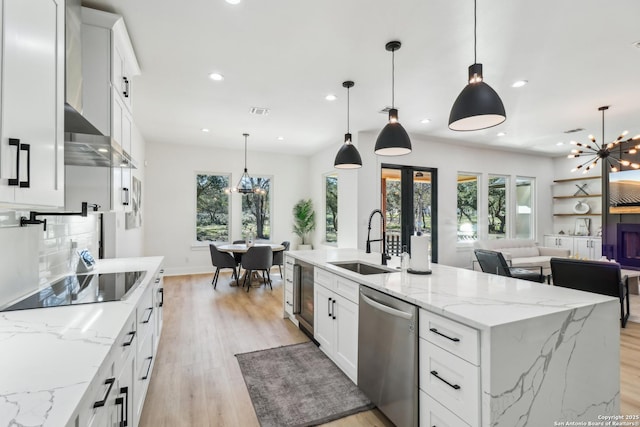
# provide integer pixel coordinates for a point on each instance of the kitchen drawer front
(434, 414)
(347, 288)
(144, 313)
(452, 336)
(288, 267)
(453, 382)
(143, 375)
(324, 278)
(99, 395)
(125, 342)
(288, 302)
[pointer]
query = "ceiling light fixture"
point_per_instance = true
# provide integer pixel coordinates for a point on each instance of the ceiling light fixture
(331, 97)
(519, 83)
(393, 140)
(233, 1)
(348, 156)
(280, 138)
(216, 77)
(478, 106)
(245, 184)
(559, 143)
(425, 121)
(205, 130)
(501, 134)
(604, 151)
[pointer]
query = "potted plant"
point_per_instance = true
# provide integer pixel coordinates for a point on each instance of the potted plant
(304, 222)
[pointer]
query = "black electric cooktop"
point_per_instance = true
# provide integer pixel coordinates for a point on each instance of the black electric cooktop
(82, 289)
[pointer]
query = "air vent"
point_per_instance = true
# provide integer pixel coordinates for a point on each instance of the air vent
(258, 111)
(574, 130)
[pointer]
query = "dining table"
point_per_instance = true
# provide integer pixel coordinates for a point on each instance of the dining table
(242, 248)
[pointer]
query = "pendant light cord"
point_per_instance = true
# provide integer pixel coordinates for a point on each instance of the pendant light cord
(475, 32)
(245, 153)
(348, 127)
(393, 78)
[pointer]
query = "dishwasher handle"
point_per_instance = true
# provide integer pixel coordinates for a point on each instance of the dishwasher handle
(389, 310)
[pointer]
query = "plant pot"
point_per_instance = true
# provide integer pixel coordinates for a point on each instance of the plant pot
(305, 247)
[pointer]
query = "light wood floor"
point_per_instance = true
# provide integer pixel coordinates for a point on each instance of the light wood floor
(197, 382)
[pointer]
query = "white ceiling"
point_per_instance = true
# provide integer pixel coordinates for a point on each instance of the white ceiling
(287, 55)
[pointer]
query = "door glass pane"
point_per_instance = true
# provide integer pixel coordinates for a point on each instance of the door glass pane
(497, 208)
(524, 207)
(422, 202)
(392, 208)
(467, 207)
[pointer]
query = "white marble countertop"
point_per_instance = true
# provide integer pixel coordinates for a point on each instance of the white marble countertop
(49, 356)
(474, 298)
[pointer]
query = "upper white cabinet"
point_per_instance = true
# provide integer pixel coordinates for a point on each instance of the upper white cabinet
(31, 102)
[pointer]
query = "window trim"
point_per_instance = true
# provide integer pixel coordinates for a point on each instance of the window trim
(201, 243)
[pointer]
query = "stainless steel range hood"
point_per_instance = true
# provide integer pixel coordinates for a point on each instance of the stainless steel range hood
(94, 150)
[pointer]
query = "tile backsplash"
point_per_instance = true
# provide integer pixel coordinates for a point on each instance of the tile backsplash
(31, 257)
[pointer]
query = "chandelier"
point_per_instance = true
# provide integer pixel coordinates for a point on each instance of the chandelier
(245, 184)
(610, 153)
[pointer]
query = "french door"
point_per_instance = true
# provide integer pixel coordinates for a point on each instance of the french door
(410, 203)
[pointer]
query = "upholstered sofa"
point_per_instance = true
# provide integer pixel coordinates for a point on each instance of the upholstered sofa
(522, 252)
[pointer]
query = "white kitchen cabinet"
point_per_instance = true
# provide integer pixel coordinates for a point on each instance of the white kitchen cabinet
(124, 394)
(158, 294)
(587, 247)
(562, 242)
(336, 320)
(31, 92)
(287, 296)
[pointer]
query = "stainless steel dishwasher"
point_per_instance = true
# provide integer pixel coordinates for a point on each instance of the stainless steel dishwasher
(388, 355)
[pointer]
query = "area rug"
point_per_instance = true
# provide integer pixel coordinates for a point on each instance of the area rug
(297, 385)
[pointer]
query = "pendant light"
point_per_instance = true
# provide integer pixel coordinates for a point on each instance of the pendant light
(348, 156)
(478, 106)
(245, 184)
(393, 140)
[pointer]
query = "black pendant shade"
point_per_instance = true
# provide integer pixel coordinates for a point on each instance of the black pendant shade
(478, 106)
(348, 156)
(393, 140)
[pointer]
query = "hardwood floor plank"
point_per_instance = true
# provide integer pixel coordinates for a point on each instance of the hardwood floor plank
(197, 380)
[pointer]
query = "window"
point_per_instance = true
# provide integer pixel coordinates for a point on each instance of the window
(212, 208)
(331, 208)
(256, 210)
(467, 207)
(497, 206)
(524, 207)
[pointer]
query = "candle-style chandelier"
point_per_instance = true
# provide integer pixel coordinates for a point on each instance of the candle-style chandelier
(610, 153)
(245, 184)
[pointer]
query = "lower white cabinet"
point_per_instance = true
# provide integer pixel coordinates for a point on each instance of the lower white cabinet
(336, 322)
(434, 414)
(288, 288)
(562, 242)
(587, 247)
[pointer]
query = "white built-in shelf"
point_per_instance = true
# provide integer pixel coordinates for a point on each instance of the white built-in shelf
(577, 197)
(577, 179)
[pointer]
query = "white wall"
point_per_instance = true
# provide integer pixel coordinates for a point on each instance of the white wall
(449, 159)
(169, 198)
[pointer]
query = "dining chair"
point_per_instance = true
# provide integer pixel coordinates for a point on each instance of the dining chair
(493, 262)
(236, 256)
(222, 260)
(278, 256)
(257, 258)
(593, 276)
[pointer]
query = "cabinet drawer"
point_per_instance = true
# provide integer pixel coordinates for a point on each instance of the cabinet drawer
(434, 414)
(347, 288)
(452, 336)
(144, 315)
(125, 342)
(288, 302)
(453, 382)
(324, 278)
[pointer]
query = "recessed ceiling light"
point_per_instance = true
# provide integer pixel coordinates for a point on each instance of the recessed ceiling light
(103, 150)
(559, 143)
(425, 121)
(519, 83)
(204, 130)
(501, 133)
(233, 1)
(280, 138)
(258, 111)
(331, 97)
(216, 76)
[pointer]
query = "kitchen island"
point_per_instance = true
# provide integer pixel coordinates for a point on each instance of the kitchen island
(52, 359)
(543, 354)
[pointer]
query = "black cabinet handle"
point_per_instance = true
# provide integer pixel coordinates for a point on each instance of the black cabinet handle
(13, 142)
(128, 343)
(125, 418)
(333, 308)
(435, 331)
(150, 313)
(27, 183)
(126, 87)
(329, 306)
(162, 271)
(454, 386)
(148, 368)
(161, 292)
(120, 401)
(125, 196)
(101, 403)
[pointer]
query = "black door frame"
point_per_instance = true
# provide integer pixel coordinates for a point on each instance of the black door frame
(406, 204)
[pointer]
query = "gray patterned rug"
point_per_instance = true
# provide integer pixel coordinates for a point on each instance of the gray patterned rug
(297, 385)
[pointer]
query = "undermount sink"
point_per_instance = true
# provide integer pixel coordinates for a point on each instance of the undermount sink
(361, 268)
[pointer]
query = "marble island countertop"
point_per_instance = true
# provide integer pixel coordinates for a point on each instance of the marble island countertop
(49, 356)
(477, 299)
